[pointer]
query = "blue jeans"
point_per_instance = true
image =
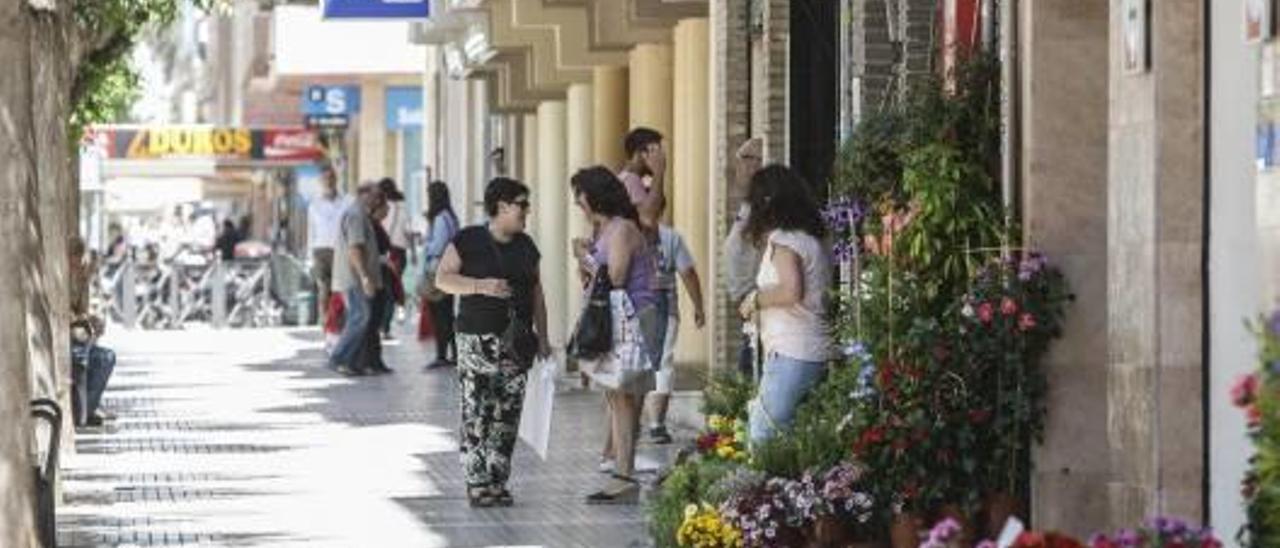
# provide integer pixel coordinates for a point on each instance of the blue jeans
(354, 330)
(98, 363)
(783, 385)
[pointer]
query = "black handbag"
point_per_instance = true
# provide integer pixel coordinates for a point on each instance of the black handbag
(593, 336)
(518, 339)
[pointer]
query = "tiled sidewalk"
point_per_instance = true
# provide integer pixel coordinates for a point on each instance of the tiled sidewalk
(242, 438)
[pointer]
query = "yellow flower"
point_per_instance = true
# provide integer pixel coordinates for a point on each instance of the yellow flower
(726, 451)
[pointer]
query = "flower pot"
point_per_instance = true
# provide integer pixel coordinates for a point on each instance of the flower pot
(830, 532)
(904, 532)
(958, 513)
(997, 509)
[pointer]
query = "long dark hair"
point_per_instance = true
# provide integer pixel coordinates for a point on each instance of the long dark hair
(438, 200)
(782, 200)
(604, 193)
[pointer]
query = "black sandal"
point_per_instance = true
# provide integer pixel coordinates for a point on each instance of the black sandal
(501, 497)
(479, 497)
(627, 495)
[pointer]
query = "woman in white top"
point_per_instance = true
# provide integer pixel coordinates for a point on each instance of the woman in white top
(790, 302)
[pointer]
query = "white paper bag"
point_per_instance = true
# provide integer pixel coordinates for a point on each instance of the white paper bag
(539, 398)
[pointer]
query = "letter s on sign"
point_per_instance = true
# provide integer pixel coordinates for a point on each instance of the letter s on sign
(335, 101)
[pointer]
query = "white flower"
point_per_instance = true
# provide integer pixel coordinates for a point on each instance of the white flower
(967, 311)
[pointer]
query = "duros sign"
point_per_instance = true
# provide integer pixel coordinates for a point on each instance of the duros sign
(211, 143)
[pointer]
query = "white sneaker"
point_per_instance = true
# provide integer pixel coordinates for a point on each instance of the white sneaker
(607, 466)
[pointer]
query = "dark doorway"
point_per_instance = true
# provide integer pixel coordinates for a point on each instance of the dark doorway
(814, 90)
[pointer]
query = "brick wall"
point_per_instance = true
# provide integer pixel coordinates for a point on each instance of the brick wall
(876, 53)
(731, 126)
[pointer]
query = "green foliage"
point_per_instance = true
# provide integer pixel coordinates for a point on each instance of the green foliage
(1259, 395)
(957, 212)
(110, 89)
(826, 424)
(105, 84)
(727, 394)
(688, 483)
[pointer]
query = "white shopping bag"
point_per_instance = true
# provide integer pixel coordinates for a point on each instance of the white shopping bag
(539, 399)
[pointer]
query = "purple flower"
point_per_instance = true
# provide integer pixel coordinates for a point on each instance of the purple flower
(1275, 367)
(1273, 323)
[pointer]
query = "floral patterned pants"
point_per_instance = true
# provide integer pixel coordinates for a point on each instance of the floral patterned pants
(492, 390)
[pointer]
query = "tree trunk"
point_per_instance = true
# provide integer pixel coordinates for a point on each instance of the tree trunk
(17, 173)
(52, 71)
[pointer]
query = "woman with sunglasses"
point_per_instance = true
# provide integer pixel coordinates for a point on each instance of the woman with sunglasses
(493, 268)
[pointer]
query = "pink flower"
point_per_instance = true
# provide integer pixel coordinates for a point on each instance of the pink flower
(1026, 321)
(1244, 390)
(1008, 306)
(985, 313)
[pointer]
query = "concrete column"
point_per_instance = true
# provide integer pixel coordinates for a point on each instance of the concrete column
(730, 107)
(529, 151)
(691, 175)
(551, 213)
(1156, 203)
(478, 171)
(651, 99)
(610, 115)
(1244, 243)
(1064, 169)
(373, 133)
(432, 115)
(456, 147)
(581, 129)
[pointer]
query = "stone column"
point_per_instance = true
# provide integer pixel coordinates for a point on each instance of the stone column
(770, 119)
(610, 116)
(1154, 272)
(730, 100)
(373, 133)
(692, 129)
(651, 99)
(551, 213)
(1064, 151)
(529, 151)
(581, 149)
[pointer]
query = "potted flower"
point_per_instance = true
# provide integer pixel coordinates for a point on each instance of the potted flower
(1258, 395)
(1159, 532)
(703, 527)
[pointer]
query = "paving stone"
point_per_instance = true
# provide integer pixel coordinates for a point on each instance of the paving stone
(244, 438)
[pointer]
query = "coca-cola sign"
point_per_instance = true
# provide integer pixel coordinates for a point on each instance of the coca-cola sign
(207, 142)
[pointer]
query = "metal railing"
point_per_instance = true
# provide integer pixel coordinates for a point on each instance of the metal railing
(197, 288)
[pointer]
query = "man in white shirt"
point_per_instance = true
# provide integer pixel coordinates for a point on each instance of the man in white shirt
(741, 257)
(324, 219)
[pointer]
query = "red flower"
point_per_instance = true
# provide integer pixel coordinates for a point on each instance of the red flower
(985, 313)
(979, 416)
(1026, 321)
(1253, 415)
(1008, 307)
(708, 442)
(1245, 390)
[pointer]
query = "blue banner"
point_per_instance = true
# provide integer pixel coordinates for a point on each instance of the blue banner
(404, 107)
(331, 100)
(376, 9)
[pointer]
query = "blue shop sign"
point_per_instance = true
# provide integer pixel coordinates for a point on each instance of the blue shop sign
(331, 100)
(404, 107)
(376, 9)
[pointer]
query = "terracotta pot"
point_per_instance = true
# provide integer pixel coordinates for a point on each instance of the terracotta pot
(957, 513)
(997, 509)
(904, 532)
(830, 532)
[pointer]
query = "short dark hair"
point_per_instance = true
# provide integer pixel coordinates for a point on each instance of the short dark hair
(502, 189)
(605, 194)
(640, 138)
(781, 199)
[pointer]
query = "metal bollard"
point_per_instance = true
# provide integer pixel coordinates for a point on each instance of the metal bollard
(129, 294)
(219, 295)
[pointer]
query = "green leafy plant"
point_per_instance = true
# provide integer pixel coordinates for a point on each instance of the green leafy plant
(727, 394)
(1258, 394)
(688, 483)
